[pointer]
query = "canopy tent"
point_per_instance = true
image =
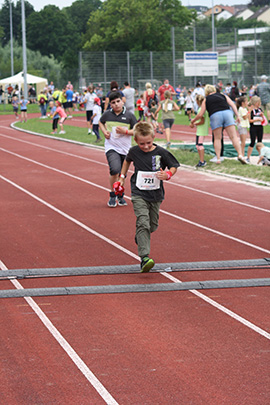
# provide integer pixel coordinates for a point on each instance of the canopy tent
(18, 79)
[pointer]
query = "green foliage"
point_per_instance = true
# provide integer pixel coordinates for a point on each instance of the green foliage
(36, 63)
(80, 11)
(134, 25)
(52, 32)
(16, 19)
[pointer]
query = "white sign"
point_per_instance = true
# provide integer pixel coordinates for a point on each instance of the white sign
(201, 63)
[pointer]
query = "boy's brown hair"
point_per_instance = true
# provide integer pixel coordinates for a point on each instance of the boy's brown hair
(143, 129)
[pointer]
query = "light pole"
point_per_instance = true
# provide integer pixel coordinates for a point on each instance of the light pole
(213, 33)
(11, 38)
(24, 52)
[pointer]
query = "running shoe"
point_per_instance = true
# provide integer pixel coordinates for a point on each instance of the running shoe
(121, 201)
(248, 160)
(147, 264)
(62, 132)
(201, 164)
(112, 201)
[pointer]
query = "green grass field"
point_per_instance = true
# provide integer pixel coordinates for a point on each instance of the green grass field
(229, 166)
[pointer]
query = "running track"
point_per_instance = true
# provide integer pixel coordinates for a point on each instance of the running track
(147, 348)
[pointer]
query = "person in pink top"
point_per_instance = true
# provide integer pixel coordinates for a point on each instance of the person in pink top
(63, 116)
(164, 87)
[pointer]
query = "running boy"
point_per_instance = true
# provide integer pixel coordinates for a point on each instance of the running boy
(117, 126)
(147, 191)
(95, 118)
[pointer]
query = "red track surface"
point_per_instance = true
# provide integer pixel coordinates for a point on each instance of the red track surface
(146, 348)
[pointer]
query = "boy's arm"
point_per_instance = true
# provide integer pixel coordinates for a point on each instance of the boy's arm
(124, 171)
(166, 175)
(260, 159)
(104, 130)
(124, 131)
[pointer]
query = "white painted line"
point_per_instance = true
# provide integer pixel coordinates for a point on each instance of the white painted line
(162, 211)
(221, 198)
(128, 252)
(223, 309)
(224, 235)
(105, 164)
(88, 374)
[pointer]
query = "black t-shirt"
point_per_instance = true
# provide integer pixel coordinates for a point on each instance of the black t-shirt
(149, 162)
(216, 102)
(125, 117)
(256, 112)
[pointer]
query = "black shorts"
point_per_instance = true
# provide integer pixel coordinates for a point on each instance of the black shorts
(168, 122)
(89, 114)
(69, 104)
(65, 105)
(115, 161)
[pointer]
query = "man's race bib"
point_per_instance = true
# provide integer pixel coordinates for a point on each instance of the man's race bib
(147, 181)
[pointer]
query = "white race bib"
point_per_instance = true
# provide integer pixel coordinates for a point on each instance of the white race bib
(114, 134)
(147, 181)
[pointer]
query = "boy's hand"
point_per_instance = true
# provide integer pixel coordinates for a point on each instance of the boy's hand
(161, 175)
(191, 125)
(107, 134)
(121, 130)
(118, 188)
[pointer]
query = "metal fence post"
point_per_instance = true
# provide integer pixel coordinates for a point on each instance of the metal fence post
(151, 65)
(173, 57)
(128, 68)
(194, 48)
(105, 77)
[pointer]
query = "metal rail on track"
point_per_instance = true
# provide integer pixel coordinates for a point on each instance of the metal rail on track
(135, 288)
(135, 268)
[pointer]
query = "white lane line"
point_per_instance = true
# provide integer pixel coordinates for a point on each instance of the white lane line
(129, 253)
(88, 374)
(224, 235)
(57, 150)
(223, 309)
(105, 164)
(221, 198)
(75, 221)
(162, 211)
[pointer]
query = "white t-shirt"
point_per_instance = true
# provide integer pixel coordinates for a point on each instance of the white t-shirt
(244, 123)
(89, 98)
(97, 111)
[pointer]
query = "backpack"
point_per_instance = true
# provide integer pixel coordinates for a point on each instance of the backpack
(153, 98)
(42, 100)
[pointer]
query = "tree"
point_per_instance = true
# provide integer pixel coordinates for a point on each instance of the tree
(52, 32)
(134, 25)
(16, 19)
(80, 11)
(36, 63)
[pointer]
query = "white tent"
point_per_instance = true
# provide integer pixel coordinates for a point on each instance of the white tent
(18, 79)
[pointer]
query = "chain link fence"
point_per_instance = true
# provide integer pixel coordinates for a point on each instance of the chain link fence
(243, 55)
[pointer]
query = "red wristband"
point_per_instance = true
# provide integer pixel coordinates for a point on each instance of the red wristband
(169, 174)
(126, 131)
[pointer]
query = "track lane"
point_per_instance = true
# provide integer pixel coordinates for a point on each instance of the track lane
(154, 348)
